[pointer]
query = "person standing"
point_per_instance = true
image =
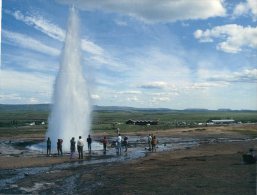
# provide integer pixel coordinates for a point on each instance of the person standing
(80, 145)
(118, 131)
(72, 147)
(119, 140)
(154, 143)
(48, 146)
(59, 146)
(126, 143)
(105, 141)
(150, 142)
(89, 142)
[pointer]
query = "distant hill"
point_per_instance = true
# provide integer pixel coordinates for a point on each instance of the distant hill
(129, 109)
(47, 108)
(196, 109)
(24, 107)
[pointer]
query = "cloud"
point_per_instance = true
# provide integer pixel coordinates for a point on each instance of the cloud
(206, 85)
(243, 76)
(41, 24)
(234, 37)
(158, 100)
(98, 55)
(19, 81)
(244, 8)
(18, 99)
(29, 61)
(91, 47)
(129, 92)
(133, 99)
(26, 84)
(151, 11)
(155, 85)
(95, 97)
(28, 43)
(54, 31)
(158, 85)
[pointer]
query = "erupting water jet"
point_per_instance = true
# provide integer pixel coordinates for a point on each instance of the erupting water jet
(71, 108)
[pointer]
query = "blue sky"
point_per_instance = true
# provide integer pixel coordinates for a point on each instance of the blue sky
(170, 53)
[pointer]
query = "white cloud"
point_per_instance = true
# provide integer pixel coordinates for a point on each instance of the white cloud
(241, 9)
(158, 85)
(225, 77)
(234, 37)
(91, 47)
(28, 43)
(155, 85)
(244, 8)
(98, 56)
(14, 98)
(206, 85)
(54, 31)
(158, 100)
(133, 99)
(10, 97)
(95, 97)
(156, 11)
(36, 85)
(29, 61)
(129, 92)
(40, 24)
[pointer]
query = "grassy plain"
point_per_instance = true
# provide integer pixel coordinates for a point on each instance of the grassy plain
(17, 122)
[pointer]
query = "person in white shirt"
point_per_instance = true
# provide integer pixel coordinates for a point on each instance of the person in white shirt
(150, 142)
(80, 145)
(119, 139)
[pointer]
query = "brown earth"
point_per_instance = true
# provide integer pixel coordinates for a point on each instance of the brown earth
(215, 168)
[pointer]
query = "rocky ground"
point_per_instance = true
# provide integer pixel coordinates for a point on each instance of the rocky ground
(213, 167)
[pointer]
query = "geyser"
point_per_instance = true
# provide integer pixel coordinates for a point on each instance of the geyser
(70, 113)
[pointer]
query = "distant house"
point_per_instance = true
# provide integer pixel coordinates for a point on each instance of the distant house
(141, 122)
(130, 122)
(223, 121)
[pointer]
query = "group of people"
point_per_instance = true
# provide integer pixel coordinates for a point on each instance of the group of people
(152, 142)
(119, 142)
(80, 145)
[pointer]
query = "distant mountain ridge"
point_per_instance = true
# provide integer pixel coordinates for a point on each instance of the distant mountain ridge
(47, 108)
(24, 107)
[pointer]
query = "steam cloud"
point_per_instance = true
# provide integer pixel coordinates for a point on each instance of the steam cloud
(70, 116)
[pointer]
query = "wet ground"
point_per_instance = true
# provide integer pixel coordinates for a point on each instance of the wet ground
(44, 179)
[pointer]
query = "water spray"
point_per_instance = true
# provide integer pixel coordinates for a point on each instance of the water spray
(71, 108)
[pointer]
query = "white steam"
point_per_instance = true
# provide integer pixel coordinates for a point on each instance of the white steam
(70, 116)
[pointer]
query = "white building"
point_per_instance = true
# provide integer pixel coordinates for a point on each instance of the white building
(223, 121)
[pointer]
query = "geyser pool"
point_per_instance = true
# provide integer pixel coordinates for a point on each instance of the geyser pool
(71, 108)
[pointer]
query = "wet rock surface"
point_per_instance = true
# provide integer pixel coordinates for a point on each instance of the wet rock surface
(99, 173)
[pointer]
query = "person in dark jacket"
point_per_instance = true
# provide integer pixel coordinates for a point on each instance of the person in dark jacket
(89, 142)
(48, 146)
(72, 147)
(59, 146)
(105, 141)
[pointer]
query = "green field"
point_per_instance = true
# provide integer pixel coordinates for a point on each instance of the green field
(107, 120)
